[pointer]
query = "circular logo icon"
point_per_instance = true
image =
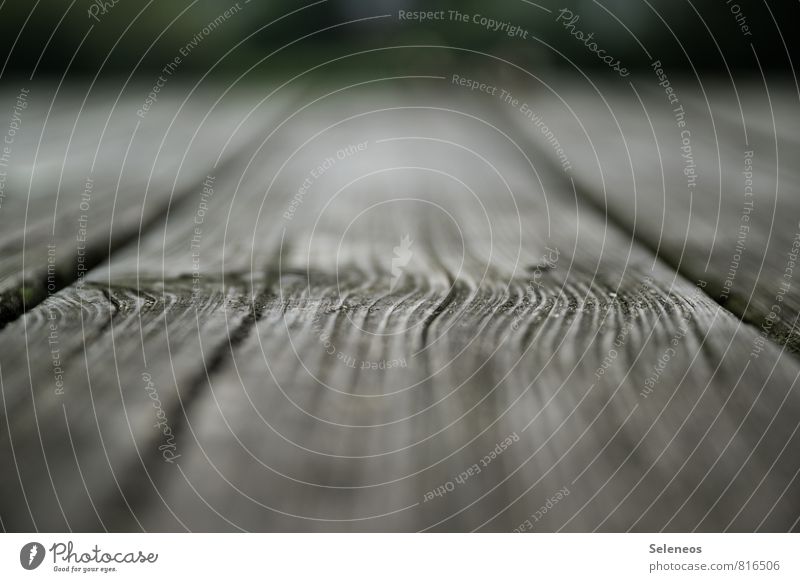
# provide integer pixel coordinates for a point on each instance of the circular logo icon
(31, 555)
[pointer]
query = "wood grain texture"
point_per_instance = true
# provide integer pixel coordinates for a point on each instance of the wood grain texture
(705, 181)
(327, 361)
(89, 174)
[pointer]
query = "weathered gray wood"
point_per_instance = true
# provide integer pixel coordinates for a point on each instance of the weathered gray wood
(102, 337)
(498, 319)
(79, 452)
(677, 180)
(87, 343)
(87, 173)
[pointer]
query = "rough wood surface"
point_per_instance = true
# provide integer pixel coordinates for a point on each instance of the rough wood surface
(440, 333)
(88, 175)
(707, 184)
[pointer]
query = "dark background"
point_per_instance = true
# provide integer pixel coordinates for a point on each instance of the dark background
(136, 38)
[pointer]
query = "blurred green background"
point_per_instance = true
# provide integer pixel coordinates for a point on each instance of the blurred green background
(89, 37)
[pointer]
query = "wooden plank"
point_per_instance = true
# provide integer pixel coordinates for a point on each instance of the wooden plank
(345, 376)
(306, 431)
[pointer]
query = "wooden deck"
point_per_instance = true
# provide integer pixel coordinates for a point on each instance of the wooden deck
(398, 307)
